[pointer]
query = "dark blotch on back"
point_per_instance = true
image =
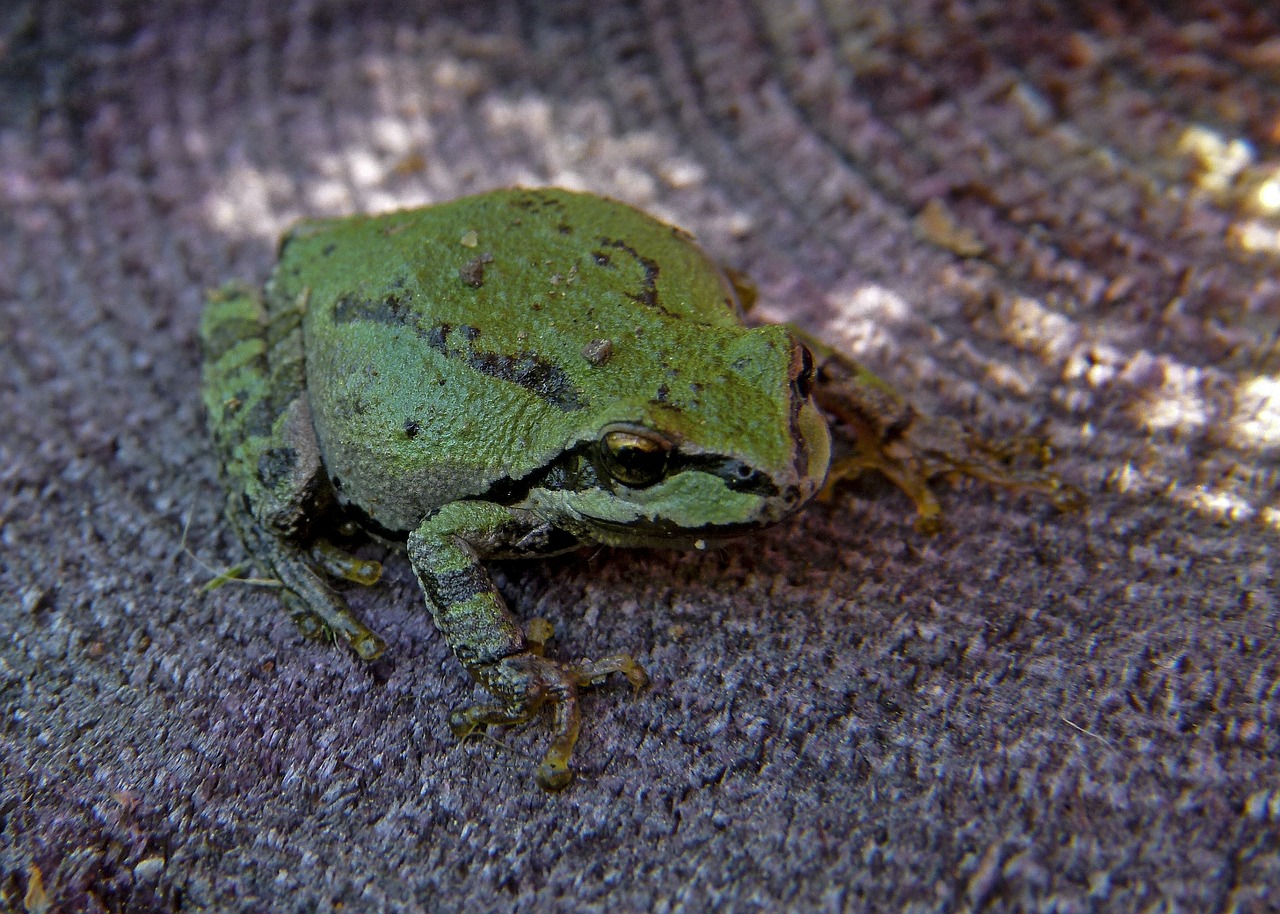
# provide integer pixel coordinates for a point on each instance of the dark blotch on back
(649, 291)
(437, 337)
(532, 372)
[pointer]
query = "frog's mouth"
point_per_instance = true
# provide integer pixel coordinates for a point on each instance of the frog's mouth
(659, 533)
(708, 499)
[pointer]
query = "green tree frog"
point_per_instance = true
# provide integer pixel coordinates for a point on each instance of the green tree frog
(519, 373)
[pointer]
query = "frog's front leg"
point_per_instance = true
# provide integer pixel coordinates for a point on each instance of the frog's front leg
(885, 433)
(446, 552)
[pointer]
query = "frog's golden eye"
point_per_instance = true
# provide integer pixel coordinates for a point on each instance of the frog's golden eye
(635, 458)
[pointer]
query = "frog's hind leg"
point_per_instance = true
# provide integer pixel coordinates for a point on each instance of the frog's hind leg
(909, 447)
(254, 391)
(315, 607)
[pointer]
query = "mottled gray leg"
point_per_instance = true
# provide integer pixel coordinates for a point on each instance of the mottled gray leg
(312, 603)
(484, 636)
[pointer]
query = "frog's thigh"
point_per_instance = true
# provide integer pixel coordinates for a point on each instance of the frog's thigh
(291, 487)
(289, 474)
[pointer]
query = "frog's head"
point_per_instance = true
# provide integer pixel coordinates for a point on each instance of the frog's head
(741, 447)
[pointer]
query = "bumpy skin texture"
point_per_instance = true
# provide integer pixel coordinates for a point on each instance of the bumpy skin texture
(516, 374)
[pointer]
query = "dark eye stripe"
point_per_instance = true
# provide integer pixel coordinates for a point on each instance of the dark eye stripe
(738, 476)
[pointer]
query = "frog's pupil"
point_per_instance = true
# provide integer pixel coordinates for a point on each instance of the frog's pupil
(635, 459)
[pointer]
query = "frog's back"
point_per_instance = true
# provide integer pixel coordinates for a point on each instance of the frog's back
(458, 346)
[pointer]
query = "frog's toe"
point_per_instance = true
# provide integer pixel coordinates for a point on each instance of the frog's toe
(342, 564)
(369, 645)
(553, 775)
(308, 623)
(594, 672)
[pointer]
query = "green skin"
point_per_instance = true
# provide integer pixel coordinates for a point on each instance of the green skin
(517, 374)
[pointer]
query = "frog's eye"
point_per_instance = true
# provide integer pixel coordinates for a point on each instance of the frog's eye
(802, 365)
(635, 458)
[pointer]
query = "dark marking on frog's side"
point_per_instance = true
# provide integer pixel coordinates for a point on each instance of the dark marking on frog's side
(664, 393)
(564, 228)
(601, 258)
(411, 428)
(648, 295)
(738, 476)
(260, 419)
(276, 465)
(328, 249)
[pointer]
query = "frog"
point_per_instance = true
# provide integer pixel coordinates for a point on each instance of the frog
(521, 373)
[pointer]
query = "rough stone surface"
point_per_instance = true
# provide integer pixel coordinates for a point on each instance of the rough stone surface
(1039, 215)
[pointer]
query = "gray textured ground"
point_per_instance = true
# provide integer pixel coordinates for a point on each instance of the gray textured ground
(1029, 711)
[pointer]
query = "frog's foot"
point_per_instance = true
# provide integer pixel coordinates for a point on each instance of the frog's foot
(342, 564)
(318, 611)
(526, 682)
(885, 433)
(316, 608)
(930, 447)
